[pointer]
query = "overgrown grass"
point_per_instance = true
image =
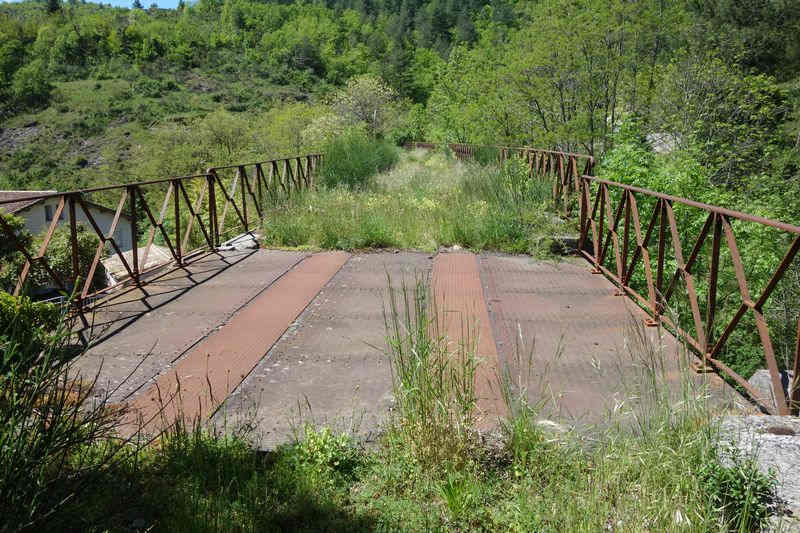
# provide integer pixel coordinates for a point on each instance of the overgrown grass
(427, 202)
(353, 159)
(433, 382)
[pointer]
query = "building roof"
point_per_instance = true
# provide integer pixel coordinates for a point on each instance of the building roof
(20, 200)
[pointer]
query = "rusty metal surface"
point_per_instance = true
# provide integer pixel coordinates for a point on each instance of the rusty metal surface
(463, 316)
(576, 333)
(623, 237)
(201, 380)
(196, 214)
(332, 358)
(136, 337)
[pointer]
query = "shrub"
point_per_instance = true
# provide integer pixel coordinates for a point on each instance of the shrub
(353, 159)
(30, 85)
(53, 434)
(23, 318)
(324, 454)
(738, 491)
(7, 246)
(59, 257)
(25, 314)
(487, 155)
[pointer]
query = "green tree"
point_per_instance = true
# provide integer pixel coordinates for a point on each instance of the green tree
(30, 85)
(369, 100)
(733, 120)
(758, 35)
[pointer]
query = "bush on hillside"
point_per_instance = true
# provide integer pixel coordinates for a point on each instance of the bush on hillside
(354, 158)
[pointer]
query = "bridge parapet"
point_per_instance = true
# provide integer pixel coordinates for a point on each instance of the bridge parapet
(635, 237)
(183, 217)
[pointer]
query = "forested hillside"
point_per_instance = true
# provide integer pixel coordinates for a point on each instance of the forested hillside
(93, 94)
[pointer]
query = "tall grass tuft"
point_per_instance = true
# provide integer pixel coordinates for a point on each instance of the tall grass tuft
(433, 380)
(54, 434)
(353, 159)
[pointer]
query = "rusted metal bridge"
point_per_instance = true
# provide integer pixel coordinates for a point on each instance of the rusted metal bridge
(218, 326)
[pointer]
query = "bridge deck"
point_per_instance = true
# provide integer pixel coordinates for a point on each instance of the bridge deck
(270, 338)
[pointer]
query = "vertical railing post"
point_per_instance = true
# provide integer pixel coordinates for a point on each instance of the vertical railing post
(177, 205)
(213, 223)
(259, 184)
(711, 307)
(600, 236)
(132, 189)
(584, 211)
(73, 240)
(794, 394)
(662, 244)
(626, 236)
(244, 186)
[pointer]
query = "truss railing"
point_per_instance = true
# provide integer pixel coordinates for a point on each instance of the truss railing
(638, 243)
(186, 216)
(636, 238)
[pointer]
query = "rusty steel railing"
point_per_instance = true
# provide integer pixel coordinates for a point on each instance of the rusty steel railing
(561, 167)
(619, 241)
(615, 241)
(196, 214)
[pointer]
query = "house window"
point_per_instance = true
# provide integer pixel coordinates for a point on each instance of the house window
(48, 213)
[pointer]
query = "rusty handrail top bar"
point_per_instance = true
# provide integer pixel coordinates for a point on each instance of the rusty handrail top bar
(706, 207)
(501, 147)
(292, 158)
(143, 183)
(104, 188)
(542, 150)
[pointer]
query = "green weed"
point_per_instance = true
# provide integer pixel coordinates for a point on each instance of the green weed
(739, 493)
(353, 159)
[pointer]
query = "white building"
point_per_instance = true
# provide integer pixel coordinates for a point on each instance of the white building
(38, 214)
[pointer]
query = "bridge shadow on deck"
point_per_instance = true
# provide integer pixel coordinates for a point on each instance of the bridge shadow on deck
(122, 309)
(136, 335)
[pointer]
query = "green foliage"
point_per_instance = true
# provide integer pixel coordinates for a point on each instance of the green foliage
(24, 315)
(30, 85)
(324, 455)
(487, 155)
(17, 225)
(757, 35)
(366, 100)
(22, 318)
(53, 436)
(424, 204)
(738, 491)
(731, 121)
(59, 257)
(353, 159)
